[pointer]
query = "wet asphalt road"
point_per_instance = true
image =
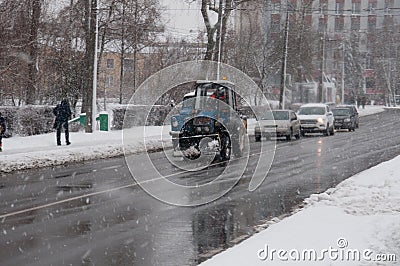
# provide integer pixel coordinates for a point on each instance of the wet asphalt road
(94, 214)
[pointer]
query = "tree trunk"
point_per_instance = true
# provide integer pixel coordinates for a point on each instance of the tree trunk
(33, 52)
(90, 51)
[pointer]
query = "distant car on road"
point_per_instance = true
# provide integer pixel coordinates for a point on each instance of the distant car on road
(353, 112)
(279, 123)
(344, 118)
(316, 118)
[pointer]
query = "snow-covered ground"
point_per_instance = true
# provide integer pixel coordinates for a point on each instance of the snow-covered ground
(355, 223)
(20, 153)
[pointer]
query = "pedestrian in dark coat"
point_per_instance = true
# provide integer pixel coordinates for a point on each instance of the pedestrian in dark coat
(63, 113)
(2, 130)
(363, 101)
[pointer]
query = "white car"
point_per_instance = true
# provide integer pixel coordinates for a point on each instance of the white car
(316, 118)
(278, 123)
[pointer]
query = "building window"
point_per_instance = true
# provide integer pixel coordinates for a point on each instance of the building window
(323, 8)
(275, 25)
(322, 25)
(291, 6)
(371, 25)
(110, 63)
(355, 24)
(128, 64)
(339, 8)
(109, 81)
(372, 8)
(388, 7)
(388, 22)
(276, 8)
(356, 8)
(339, 24)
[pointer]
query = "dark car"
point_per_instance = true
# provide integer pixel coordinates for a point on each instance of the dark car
(344, 118)
(353, 112)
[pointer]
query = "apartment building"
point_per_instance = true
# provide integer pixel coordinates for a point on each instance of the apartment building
(348, 29)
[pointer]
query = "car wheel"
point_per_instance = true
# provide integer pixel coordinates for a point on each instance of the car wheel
(302, 133)
(297, 136)
(225, 148)
(290, 136)
(333, 131)
(326, 132)
(237, 148)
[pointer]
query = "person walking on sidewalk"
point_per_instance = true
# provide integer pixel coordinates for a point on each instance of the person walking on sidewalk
(63, 113)
(2, 130)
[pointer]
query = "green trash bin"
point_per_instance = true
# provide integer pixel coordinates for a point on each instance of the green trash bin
(103, 117)
(82, 119)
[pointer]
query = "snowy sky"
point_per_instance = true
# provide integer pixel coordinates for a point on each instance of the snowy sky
(181, 19)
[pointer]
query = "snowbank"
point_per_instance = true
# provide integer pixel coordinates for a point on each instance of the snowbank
(355, 223)
(20, 153)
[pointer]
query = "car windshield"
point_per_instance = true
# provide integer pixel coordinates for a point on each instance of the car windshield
(312, 111)
(280, 115)
(342, 111)
(276, 115)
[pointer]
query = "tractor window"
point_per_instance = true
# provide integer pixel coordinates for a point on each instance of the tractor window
(210, 91)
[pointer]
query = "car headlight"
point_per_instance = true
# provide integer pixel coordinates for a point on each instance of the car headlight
(320, 120)
(174, 122)
(347, 120)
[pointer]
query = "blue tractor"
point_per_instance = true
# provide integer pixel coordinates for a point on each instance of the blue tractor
(210, 122)
(177, 121)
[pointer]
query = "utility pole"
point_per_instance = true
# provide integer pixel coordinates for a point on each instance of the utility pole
(96, 45)
(220, 38)
(284, 60)
(321, 78)
(91, 53)
(343, 54)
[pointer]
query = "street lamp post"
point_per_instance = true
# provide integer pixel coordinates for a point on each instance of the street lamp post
(96, 44)
(283, 68)
(343, 54)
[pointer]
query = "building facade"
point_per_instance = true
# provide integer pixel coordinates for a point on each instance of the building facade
(359, 40)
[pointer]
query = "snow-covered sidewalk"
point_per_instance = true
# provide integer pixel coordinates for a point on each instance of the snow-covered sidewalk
(355, 223)
(22, 153)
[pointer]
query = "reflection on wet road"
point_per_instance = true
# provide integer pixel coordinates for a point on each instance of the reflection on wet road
(95, 214)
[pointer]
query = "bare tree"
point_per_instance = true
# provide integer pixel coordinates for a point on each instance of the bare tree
(133, 27)
(19, 26)
(216, 31)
